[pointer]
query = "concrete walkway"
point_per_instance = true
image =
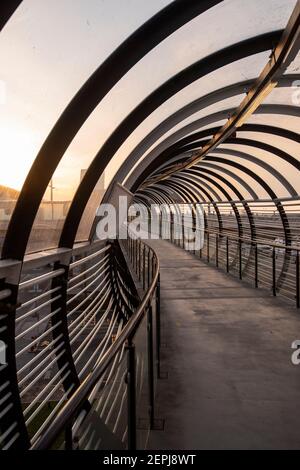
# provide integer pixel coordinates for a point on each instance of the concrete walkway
(227, 352)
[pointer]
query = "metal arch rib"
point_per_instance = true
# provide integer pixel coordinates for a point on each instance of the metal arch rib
(227, 172)
(157, 163)
(7, 9)
(185, 112)
(194, 181)
(131, 51)
(194, 126)
(281, 57)
(144, 109)
(245, 156)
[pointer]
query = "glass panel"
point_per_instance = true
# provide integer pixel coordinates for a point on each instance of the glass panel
(48, 50)
(36, 98)
(232, 73)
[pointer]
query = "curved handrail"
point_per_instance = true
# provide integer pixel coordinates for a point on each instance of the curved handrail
(256, 241)
(78, 399)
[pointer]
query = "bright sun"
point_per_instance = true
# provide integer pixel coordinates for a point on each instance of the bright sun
(17, 150)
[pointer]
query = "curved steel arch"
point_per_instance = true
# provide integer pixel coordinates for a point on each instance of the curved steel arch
(227, 196)
(169, 195)
(268, 148)
(257, 128)
(269, 191)
(155, 199)
(170, 182)
(189, 197)
(174, 186)
(259, 180)
(144, 109)
(191, 138)
(159, 196)
(245, 156)
(243, 183)
(145, 199)
(227, 183)
(232, 175)
(183, 113)
(131, 182)
(239, 195)
(246, 170)
(131, 51)
(192, 179)
(7, 9)
(197, 191)
(195, 184)
(280, 208)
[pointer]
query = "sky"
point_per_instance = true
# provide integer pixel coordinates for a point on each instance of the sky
(50, 47)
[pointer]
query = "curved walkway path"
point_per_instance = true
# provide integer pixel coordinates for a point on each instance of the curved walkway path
(226, 350)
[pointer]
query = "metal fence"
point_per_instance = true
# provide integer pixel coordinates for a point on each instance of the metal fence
(274, 266)
(73, 326)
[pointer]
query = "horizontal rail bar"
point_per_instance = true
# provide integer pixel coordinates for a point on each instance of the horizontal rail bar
(75, 264)
(42, 278)
(70, 409)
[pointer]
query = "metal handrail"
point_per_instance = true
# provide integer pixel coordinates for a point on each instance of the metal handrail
(278, 278)
(70, 409)
(242, 239)
(42, 278)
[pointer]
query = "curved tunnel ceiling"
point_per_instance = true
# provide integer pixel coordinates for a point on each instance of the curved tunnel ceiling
(237, 168)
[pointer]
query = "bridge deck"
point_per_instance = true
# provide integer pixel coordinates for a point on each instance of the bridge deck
(227, 352)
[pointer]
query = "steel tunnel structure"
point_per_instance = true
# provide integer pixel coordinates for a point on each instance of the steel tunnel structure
(220, 130)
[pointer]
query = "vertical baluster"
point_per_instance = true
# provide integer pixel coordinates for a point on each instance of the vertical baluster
(227, 254)
(150, 365)
(131, 395)
(144, 267)
(274, 270)
(297, 280)
(148, 276)
(158, 328)
(256, 265)
(240, 259)
(182, 231)
(207, 247)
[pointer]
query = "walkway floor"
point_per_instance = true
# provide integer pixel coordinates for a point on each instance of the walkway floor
(227, 352)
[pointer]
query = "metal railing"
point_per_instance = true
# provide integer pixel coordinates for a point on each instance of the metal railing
(117, 377)
(274, 266)
(62, 315)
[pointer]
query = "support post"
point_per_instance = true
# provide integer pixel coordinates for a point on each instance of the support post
(144, 267)
(207, 246)
(158, 328)
(227, 254)
(148, 276)
(256, 266)
(131, 395)
(182, 230)
(274, 270)
(240, 259)
(150, 365)
(297, 280)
